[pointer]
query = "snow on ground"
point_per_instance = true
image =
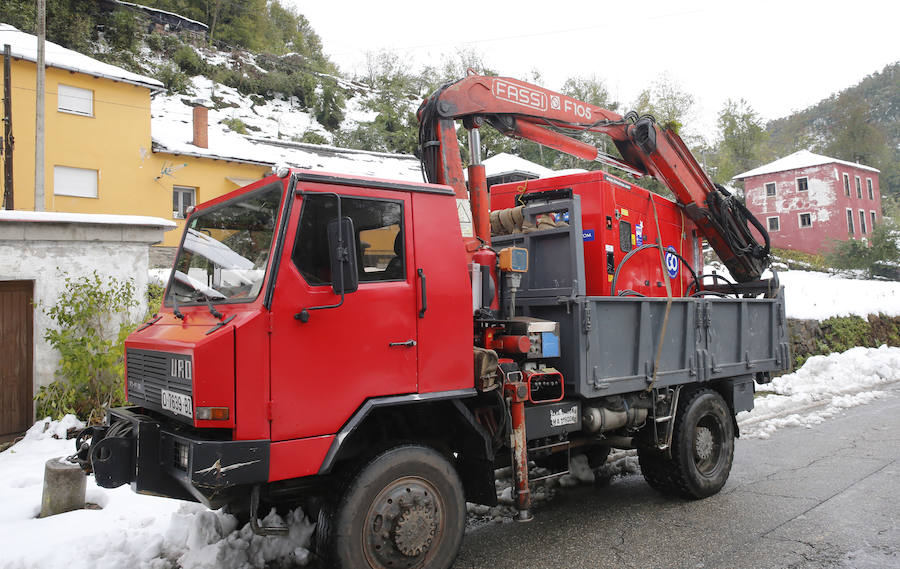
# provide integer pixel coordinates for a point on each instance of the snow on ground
(129, 530)
(822, 388)
(818, 296)
(147, 532)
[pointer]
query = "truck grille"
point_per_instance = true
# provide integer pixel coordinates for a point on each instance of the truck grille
(149, 372)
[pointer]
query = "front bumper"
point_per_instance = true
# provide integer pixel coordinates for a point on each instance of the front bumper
(161, 459)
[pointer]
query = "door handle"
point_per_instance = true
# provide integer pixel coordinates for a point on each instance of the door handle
(408, 344)
(421, 274)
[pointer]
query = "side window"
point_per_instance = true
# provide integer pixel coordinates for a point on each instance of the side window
(379, 238)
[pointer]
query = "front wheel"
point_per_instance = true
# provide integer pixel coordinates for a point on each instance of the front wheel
(405, 508)
(702, 449)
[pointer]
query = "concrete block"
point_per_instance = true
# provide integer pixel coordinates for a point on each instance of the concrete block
(64, 487)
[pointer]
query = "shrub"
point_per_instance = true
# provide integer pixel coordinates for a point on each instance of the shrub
(188, 60)
(154, 297)
(236, 125)
(122, 30)
(91, 322)
(872, 255)
(172, 79)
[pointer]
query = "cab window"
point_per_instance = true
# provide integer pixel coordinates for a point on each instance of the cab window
(378, 231)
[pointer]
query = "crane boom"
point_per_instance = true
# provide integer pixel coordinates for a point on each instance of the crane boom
(522, 110)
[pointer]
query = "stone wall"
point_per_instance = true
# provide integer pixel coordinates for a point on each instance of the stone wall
(43, 247)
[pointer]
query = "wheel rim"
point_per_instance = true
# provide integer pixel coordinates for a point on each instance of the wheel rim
(708, 450)
(404, 524)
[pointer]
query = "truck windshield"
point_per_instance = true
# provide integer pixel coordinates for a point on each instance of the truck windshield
(226, 249)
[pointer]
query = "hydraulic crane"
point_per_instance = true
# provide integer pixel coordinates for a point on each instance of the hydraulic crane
(519, 109)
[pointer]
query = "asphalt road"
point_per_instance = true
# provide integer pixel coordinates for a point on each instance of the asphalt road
(820, 497)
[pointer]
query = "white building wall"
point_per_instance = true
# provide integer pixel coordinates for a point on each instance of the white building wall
(45, 248)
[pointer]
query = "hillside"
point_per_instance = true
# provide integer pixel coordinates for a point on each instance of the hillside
(260, 66)
(860, 123)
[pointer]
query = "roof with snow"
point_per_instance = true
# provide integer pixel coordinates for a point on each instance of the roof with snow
(172, 132)
(503, 164)
(164, 15)
(799, 159)
(24, 46)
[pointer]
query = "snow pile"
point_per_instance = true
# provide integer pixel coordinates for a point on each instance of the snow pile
(124, 529)
(822, 388)
(818, 296)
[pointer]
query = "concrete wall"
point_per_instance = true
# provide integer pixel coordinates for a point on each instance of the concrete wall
(45, 247)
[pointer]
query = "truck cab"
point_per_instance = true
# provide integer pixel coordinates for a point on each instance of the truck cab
(262, 352)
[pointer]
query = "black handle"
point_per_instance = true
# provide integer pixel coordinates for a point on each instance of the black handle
(424, 294)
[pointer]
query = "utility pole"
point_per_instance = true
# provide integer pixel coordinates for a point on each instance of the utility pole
(7, 134)
(39, 111)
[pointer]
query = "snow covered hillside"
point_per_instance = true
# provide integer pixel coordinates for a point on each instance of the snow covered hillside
(130, 530)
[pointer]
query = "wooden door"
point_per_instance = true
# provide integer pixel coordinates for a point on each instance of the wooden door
(16, 383)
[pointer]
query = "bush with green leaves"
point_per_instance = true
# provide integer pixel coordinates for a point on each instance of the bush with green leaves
(175, 81)
(91, 319)
(869, 255)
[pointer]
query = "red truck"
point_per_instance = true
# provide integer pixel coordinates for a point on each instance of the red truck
(372, 350)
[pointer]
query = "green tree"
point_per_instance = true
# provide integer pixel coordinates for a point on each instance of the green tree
(742, 140)
(667, 102)
(394, 95)
(855, 136)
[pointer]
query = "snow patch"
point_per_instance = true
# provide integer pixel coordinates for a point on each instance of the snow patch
(821, 389)
(130, 530)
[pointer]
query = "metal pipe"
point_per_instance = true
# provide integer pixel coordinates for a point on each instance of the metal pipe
(474, 146)
(517, 393)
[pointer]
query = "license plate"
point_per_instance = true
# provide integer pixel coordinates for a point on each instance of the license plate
(177, 403)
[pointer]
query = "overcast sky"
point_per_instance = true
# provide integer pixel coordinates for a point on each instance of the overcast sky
(781, 56)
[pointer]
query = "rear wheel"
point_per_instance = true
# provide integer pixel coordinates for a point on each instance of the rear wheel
(405, 508)
(702, 448)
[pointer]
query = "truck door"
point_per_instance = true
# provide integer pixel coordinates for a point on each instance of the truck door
(323, 369)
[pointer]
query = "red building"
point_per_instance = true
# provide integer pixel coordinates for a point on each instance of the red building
(809, 201)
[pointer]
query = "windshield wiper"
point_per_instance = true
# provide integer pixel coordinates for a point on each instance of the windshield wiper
(196, 295)
(177, 313)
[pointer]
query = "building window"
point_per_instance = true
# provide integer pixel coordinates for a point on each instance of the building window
(182, 199)
(805, 219)
(862, 222)
(850, 222)
(872, 213)
(770, 189)
(802, 184)
(75, 182)
(858, 188)
(773, 223)
(75, 100)
(847, 185)
(869, 187)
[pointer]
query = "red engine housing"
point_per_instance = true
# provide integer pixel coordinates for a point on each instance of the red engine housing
(616, 218)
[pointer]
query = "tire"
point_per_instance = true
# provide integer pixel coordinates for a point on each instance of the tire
(404, 508)
(702, 449)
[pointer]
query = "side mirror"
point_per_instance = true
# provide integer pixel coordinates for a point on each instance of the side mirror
(342, 254)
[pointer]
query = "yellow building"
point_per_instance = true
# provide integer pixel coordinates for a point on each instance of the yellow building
(114, 143)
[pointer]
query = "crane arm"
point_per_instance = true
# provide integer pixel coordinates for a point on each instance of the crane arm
(521, 110)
